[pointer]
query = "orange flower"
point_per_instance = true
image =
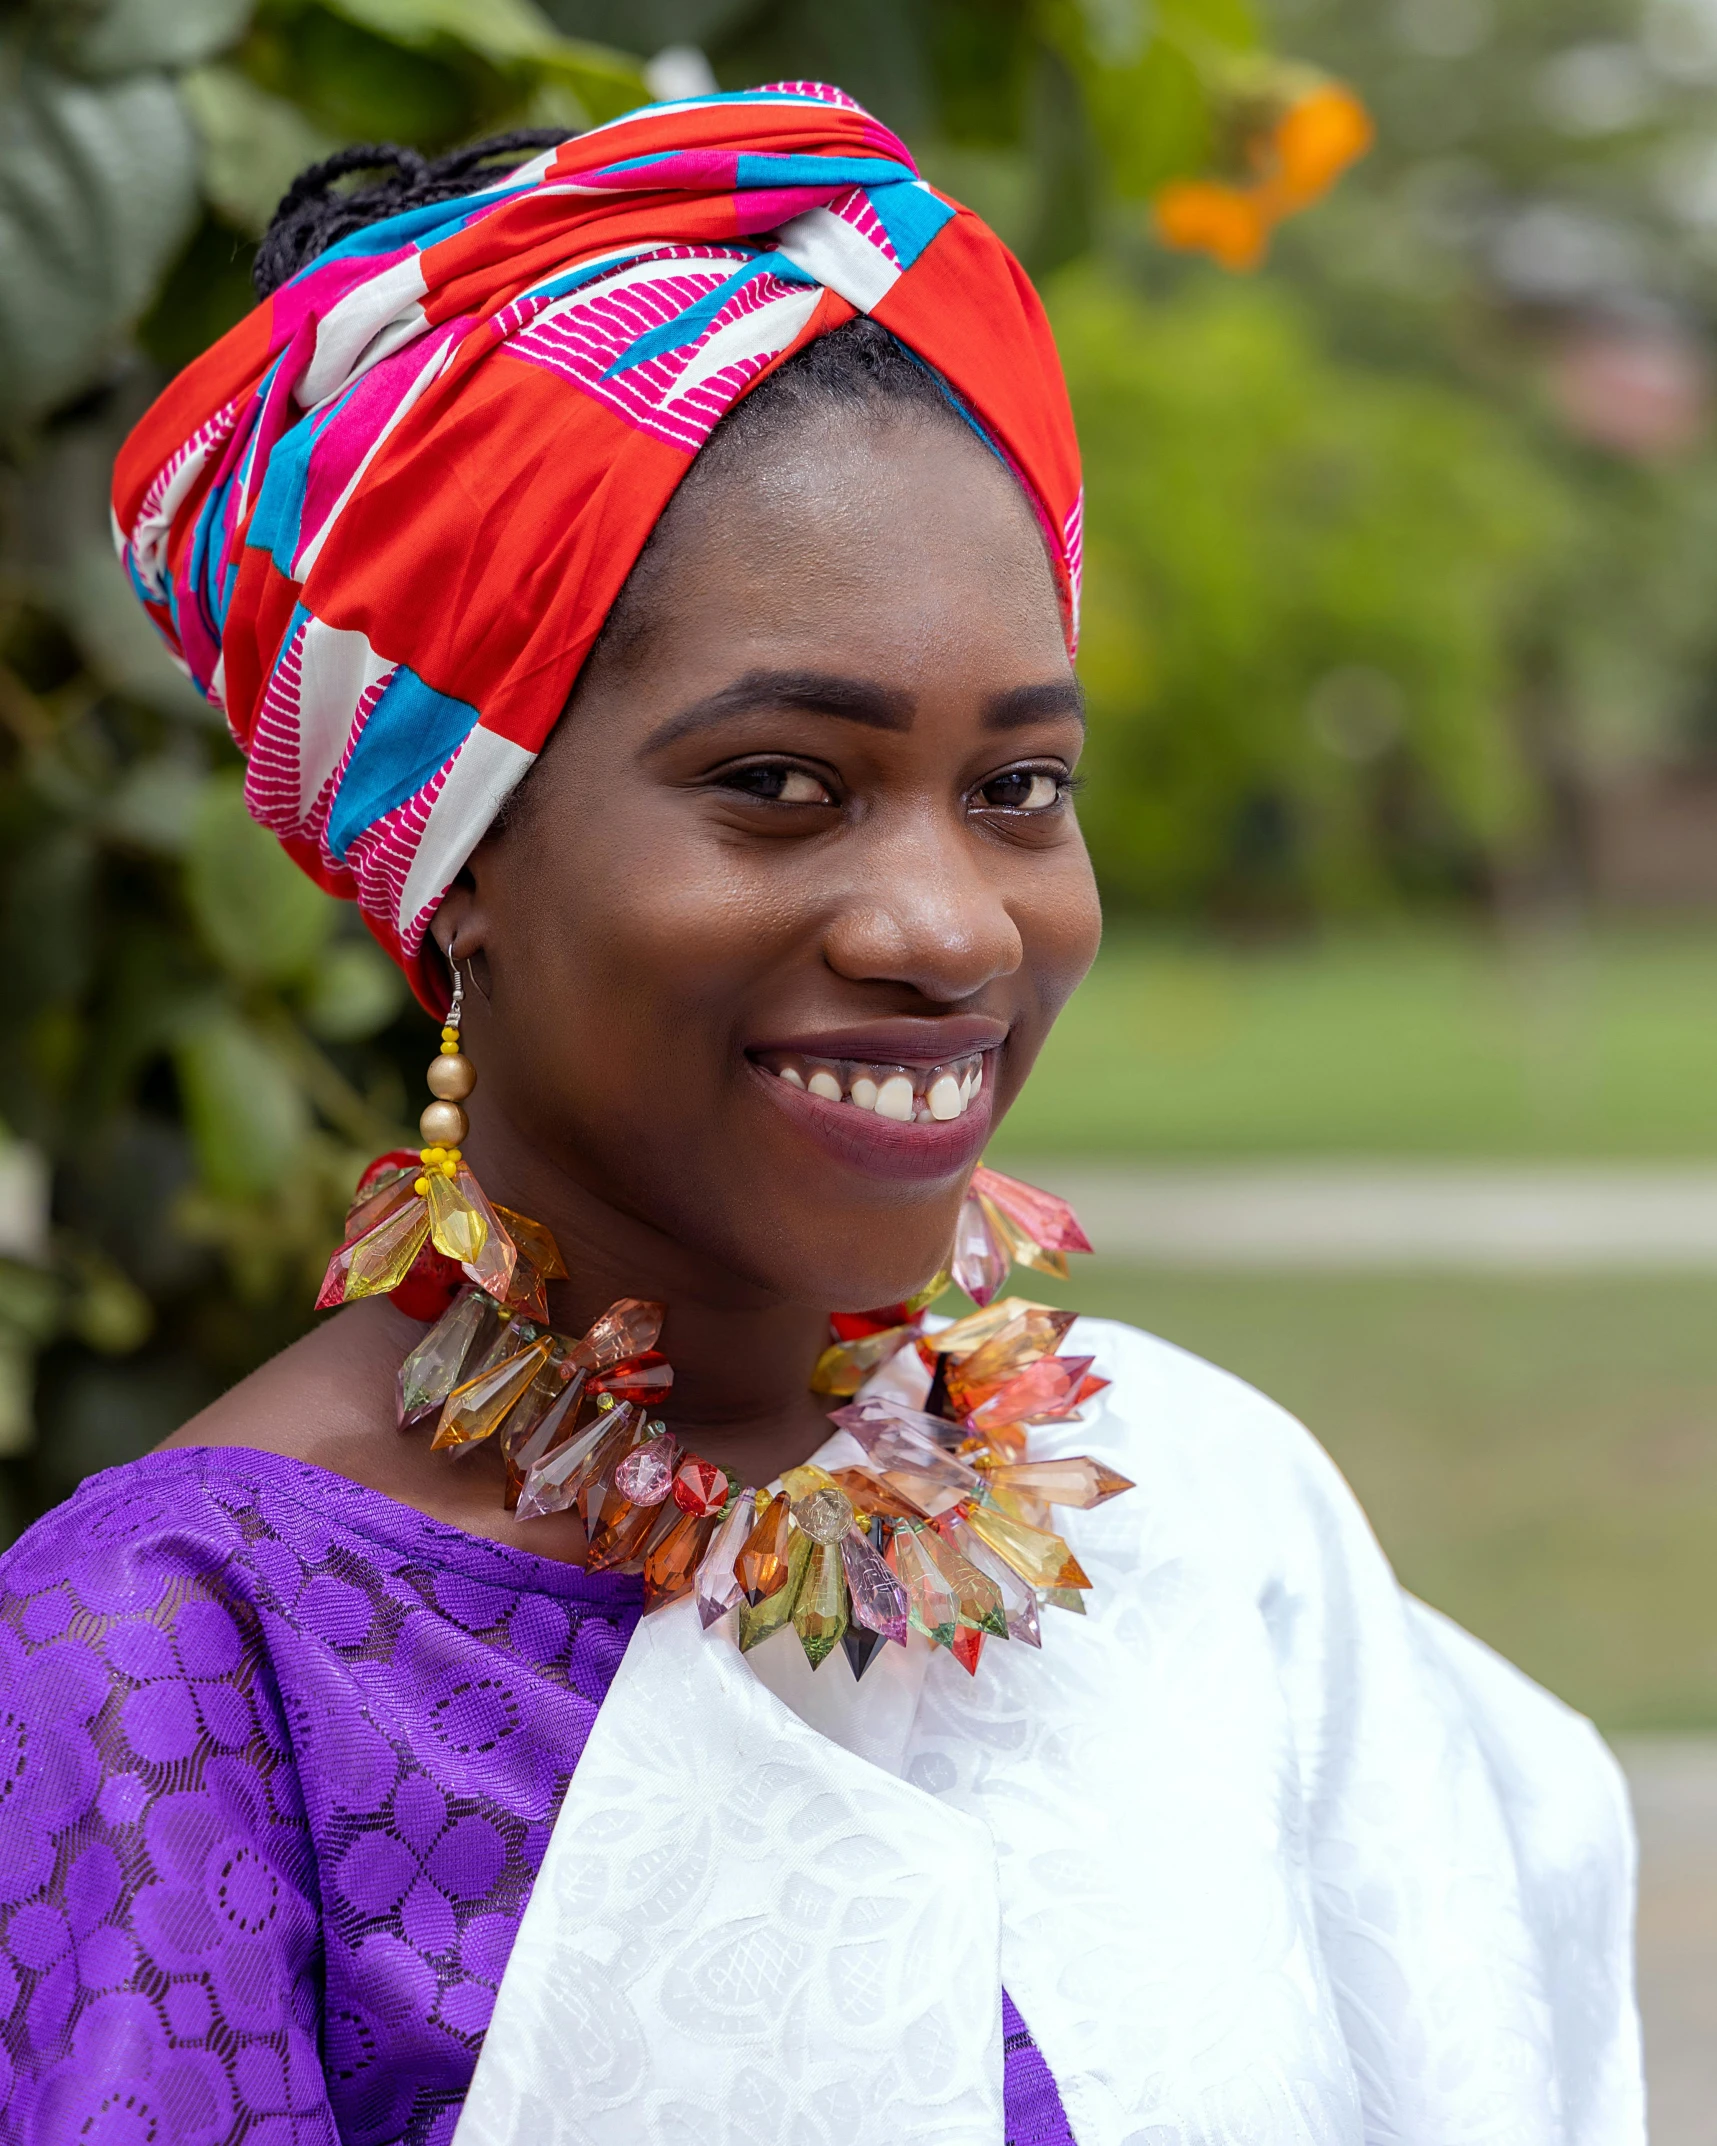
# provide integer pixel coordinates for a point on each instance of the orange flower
(1229, 223)
(1308, 142)
(1314, 142)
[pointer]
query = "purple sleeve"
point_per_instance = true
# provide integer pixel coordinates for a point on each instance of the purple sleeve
(159, 1931)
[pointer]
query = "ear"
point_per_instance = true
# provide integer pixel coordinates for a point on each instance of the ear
(459, 929)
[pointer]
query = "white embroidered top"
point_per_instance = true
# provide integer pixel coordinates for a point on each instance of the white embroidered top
(1265, 1851)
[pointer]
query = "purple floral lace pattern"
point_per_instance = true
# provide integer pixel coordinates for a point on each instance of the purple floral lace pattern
(278, 1763)
(1032, 2112)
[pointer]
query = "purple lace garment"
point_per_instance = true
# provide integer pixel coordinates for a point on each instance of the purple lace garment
(279, 1760)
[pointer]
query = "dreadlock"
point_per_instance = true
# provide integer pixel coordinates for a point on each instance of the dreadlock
(316, 211)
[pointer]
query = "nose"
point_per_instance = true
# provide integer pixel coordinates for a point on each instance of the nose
(926, 910)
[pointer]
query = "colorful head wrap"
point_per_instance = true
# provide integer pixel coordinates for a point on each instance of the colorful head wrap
(382, 520)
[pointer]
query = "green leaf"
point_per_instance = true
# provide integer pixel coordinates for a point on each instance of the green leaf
(247, 1116)
(254, 145)
(98, 191)
(508, 34)
(115, 37)
(256, 912)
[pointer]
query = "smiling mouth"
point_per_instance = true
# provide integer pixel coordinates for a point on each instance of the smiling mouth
(904, 1095)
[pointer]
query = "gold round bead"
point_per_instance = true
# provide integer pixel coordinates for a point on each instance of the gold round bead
(443, 1124)
(451, 1078)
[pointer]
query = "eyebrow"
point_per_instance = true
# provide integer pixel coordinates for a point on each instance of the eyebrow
(852, 700)
(858, 700)
(1035, 704)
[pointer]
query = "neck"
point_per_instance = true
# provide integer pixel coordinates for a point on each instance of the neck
(742, 1356)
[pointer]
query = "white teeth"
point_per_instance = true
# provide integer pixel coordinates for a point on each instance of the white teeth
(792, 1076)
(825, 1085)
(894, 1099)
(947, 1098)
(863, 1092)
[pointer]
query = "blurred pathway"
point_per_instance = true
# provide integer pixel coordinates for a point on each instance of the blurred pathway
(1674, 1783)
(1356, 1214)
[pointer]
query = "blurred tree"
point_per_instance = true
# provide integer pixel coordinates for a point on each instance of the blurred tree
(205, 1049)
(1305, 583)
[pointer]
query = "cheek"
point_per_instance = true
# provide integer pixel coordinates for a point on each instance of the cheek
(1060, 922)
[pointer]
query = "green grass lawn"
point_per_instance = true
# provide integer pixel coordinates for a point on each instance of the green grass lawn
(1396, 1042)
(1537, 1457)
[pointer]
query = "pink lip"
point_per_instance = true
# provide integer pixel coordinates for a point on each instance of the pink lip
(930, 1041)
(880, 1146)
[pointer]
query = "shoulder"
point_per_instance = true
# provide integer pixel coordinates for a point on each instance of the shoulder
(1227, 1462)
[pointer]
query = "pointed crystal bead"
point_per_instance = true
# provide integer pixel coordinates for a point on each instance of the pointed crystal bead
(700, 1488)
(620, 1535)
(646, 1474)
(1041, 1559)
(1042, 1216)
(1020, 1247)
(959, 1339)
(1019, 1603)
(878, 1599)
(1066, 1598)
(977, 1598)
(930, 1600)
(762, 1620)
(432, 1370)
(762, 1563)
(878, 1409)
(493, 1265)
(671, 1561)
(371, 1265)
(558, 1479)
(980, 1264)
(537, 1259)
(646, 1379)
(1077, 1481)
(718, 1584)
(860, 1647)
(966, 1646)
(475, 1409)
(973, 1379)
(384, 1195)
(820, 1606)
(527, 1442)
(1041, 1393)
(869, 1494)
(844, 1366)
(627, 1328)
(459, 1228)
(891, 1443)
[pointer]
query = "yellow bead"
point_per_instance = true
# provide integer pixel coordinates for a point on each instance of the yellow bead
(452, 1078)
(443, 1124)
(421, 1187)
(450, 1169)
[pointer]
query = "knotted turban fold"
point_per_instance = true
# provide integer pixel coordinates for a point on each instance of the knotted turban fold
(382, 520)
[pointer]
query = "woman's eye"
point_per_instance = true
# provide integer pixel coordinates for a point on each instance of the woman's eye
(1022, 790)
(779, 785)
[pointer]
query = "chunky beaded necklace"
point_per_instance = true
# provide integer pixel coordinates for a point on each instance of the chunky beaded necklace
(943, 1527)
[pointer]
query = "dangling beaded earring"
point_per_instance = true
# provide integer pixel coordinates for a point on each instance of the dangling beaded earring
(451, 1078)
(420, 1221)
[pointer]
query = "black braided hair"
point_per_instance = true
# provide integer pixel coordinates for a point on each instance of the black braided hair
(316, 211)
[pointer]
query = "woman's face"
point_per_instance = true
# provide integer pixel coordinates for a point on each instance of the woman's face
(789, 903)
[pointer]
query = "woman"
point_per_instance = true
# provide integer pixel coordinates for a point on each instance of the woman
(346, 1802)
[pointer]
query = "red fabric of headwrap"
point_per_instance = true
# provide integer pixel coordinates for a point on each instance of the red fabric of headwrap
(383, 519)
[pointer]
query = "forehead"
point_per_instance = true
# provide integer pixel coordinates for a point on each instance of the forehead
(902, 547)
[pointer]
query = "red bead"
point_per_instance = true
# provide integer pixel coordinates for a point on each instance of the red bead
(700, 1488)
